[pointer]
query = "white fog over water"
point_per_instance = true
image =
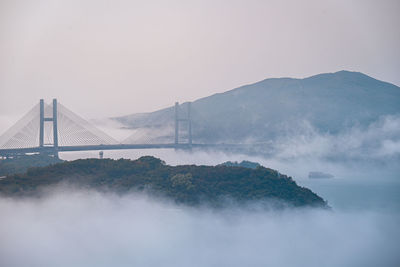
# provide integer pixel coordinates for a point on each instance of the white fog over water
(73, 227)
(83, 228)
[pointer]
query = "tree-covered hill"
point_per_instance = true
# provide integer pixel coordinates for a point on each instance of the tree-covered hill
(186, 184)
(21, 164)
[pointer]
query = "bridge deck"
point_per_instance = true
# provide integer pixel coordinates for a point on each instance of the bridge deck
(50, 150)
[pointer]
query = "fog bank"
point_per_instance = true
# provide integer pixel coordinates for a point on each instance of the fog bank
(81, 228)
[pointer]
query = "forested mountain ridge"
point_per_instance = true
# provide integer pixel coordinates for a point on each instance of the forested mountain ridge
(186, 184)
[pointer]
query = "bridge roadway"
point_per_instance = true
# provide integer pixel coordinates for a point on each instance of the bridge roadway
(51, 149)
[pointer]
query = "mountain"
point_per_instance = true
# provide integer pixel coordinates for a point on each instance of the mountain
(261, 111)
(187, 184)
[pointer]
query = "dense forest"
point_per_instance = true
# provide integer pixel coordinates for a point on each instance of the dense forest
(244, 163)
(186, 184)
(21, 164)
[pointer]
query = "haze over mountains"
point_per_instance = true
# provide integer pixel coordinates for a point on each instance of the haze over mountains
(330, 104)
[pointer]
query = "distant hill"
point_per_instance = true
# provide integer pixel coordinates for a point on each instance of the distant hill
(264, 110)
(187, 184)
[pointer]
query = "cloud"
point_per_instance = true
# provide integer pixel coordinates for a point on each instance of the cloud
(86, 228)
(380, 140)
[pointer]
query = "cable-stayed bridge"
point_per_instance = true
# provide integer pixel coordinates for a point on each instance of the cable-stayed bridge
(53, 128)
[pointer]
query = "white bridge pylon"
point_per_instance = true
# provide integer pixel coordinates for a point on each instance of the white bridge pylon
(60, 127)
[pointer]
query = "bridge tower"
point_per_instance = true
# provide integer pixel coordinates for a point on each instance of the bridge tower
(188, 121)
(53, 120)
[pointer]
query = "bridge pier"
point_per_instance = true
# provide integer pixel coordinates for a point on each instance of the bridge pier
(55, 130)
(188, 120)
(176, 123)
(189, 123)
(41, 130)
(53, 120)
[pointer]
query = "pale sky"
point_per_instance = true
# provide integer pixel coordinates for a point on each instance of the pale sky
(111, 58)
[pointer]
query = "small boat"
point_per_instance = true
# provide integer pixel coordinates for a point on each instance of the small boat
(319, 175)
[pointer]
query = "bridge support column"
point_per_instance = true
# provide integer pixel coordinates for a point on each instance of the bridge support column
(41, 127)
(55, 130)
(189, 124)
(176, 124)
(186, 119)
(53, 119)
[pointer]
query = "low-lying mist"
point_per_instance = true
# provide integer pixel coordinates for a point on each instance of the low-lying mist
(360, 151)
(380, 140)
(86, 228)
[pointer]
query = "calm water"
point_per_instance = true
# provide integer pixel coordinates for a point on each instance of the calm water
(341, 194)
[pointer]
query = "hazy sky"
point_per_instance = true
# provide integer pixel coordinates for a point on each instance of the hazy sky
(110, 58)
